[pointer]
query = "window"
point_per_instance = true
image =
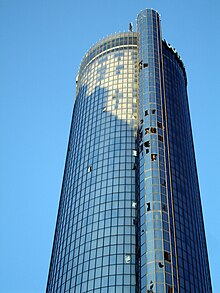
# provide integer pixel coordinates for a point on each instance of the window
(159, 124)
(164, 207)
(167, 256)
(147, 144)
(147, 131)
(153, 157)
(140, 64)
(134, 204)
(134, 153)
(160, 138)
(153, 130)
(127, 258)
(164, 183)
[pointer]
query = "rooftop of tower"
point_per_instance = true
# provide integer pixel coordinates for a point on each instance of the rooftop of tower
(121, 39)
(177, 57)
(143, 11)
(108, 43)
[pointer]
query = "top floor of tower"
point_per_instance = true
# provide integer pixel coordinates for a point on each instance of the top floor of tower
(148, 26)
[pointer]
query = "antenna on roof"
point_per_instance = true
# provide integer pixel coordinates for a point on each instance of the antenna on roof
(131, 27)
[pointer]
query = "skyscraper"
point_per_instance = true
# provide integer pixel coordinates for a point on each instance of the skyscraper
(130, 217)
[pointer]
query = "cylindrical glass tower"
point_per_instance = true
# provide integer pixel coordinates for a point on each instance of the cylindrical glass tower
(130, 217)
(187, 228)
(155, 246)
(95, 240)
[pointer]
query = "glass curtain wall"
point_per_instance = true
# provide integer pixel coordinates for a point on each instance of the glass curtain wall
(95, 240)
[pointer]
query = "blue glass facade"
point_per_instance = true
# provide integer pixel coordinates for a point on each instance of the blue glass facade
(95, 240)
(130, 217)
(192, 269)
(155, 246)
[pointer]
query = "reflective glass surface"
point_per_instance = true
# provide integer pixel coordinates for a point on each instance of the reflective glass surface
(156, 270)
(95, 241)
(130, 217)
(187, 229)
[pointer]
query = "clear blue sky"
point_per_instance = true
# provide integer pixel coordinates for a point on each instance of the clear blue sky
(42, 43)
